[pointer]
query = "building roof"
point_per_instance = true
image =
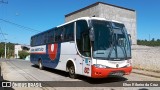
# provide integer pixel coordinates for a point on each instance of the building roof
(92, 5)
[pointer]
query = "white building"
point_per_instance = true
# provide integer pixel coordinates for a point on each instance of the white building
(18, 48)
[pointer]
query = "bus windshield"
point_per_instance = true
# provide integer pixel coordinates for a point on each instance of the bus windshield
(111, 41)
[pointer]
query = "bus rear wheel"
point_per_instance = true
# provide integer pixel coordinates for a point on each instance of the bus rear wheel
(72, 72)
(40, 65)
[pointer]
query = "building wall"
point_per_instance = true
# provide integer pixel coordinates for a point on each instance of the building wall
(146, 58)
(109, 12)
(85, 13)
(122, 15)
(16, 49)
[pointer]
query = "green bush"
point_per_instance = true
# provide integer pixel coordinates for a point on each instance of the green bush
(23, 54)
(1, 52)
(152, 42)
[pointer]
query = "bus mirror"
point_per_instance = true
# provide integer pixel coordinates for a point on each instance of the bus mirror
(91, 34)
(129, 36)
(131, 42)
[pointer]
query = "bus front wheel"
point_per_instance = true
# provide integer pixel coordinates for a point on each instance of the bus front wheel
(72, 72)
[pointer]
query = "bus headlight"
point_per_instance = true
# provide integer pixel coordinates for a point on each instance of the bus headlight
(129, 63)
(99, 66)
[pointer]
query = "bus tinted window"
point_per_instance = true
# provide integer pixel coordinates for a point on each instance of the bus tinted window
(82, 38)
(65, 33)
(58, 33)
(61, 34)
(50, 37)
(45, 38)
(69, 32)
(33, 41)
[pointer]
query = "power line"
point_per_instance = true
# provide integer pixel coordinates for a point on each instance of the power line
(5, 42)
(3, 2)
(20, 26)
(2, 33)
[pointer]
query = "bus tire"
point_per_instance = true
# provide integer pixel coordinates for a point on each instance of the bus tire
(72, 72)
(40, 65)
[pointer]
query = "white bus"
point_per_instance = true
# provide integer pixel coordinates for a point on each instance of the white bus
(88, 46)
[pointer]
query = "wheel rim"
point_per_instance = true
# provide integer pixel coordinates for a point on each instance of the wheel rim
(72, 71)
(40, 65)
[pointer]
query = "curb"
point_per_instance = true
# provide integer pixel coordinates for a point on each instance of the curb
(1, 76)
(146, 73)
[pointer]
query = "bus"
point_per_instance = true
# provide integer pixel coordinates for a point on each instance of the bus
(88, 46)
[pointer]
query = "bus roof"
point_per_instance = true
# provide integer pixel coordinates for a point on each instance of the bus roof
(88, 18)
(82, 18)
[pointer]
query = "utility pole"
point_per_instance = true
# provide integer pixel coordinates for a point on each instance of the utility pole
(3, 2)
(5, 41)
(5, 49)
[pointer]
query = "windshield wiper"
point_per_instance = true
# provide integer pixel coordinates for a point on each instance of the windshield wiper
(112, 45)
(124, 51)
(125, 41)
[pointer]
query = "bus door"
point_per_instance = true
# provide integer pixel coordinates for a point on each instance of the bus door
(86, 51)
(83, 45)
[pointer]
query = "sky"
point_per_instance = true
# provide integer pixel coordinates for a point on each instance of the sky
(40, 15)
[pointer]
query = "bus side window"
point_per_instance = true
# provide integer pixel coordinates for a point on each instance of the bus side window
(68, 32)
(39, 39)
(42, 39)
(36, 40)
(63, 34)
(56, 36)
(58, 33)
(51, 36)
(31, 42)
(45, 38)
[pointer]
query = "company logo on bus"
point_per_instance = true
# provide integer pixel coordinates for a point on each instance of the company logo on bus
(86, 70)
(52, 51)
(117, 65)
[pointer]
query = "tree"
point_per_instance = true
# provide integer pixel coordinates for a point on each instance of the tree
(1, 52)
(158, 40)
(9, 51)
(152, 40)
(23, 54)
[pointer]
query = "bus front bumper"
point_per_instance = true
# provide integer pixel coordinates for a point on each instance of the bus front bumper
(106, 72)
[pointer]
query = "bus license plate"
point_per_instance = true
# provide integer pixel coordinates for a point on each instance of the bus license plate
(117, 74)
